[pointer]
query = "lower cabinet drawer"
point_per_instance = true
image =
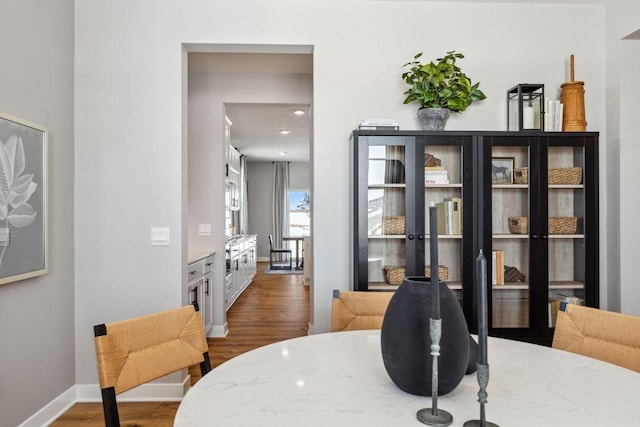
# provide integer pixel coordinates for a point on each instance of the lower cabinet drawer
(195, 270)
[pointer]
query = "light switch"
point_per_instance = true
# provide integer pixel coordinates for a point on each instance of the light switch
(204, 229)
(159, 236)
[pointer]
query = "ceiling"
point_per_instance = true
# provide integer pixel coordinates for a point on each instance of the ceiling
(256, 127)
(256, 131)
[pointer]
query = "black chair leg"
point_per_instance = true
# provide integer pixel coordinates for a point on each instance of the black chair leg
(110, 407)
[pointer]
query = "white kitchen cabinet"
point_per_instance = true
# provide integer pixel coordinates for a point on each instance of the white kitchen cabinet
(243, 267)
(199, 286)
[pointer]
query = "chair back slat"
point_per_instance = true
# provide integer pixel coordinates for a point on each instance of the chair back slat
(136, 351)
(351, 310)
(604, 335)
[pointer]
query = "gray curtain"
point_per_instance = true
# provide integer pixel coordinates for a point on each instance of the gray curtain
(280, 226)
(244, 199)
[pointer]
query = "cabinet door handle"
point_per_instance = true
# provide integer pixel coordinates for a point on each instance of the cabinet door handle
(206, 287)
(193, 272)
(534, 236)
(543, 237)
(420, 236)
(209, 264)
(410, 237)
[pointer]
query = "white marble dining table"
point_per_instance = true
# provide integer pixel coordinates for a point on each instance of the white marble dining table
(339, 379)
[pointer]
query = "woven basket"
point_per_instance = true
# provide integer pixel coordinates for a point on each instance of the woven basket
(557, 225)
(555, 176)
(518, 224)
(563, 225)
(393, 225)
(521, 176)
(393, 275)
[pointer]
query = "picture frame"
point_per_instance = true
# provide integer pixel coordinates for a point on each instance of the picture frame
(23, 199)
(502, 170)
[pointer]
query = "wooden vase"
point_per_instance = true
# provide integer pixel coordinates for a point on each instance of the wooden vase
(572, 98)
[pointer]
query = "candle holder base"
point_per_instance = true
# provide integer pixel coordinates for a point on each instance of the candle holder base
(441, 419)
(478, 423)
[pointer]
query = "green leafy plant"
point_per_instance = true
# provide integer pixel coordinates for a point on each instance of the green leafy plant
(441, 84)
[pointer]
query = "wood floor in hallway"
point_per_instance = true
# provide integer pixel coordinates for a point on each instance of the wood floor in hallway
(273, 308)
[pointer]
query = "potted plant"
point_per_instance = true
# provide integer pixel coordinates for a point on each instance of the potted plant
(439, 87)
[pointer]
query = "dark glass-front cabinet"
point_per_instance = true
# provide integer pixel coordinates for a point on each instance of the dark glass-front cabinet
(543, 233)
(397, 177)
(528, 200)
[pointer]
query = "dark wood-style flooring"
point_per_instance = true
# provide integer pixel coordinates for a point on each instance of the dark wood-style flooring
(273, 308)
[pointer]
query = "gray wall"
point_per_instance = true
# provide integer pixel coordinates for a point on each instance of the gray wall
(130, 121)
(621, 154)
(37, 345)
(260, 176)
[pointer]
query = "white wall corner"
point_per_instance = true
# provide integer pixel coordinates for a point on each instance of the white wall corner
(52, 410)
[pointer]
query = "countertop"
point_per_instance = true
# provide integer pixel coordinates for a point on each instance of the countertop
(195, 256)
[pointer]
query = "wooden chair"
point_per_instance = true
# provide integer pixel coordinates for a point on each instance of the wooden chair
(604, 335)
(135, 351)
(279, 251)
(358, 310)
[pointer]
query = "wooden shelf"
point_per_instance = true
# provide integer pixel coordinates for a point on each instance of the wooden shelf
(383, 286)
(511, 285)
(443, 185)
(568, 284)
(526, 236)
(387, 185)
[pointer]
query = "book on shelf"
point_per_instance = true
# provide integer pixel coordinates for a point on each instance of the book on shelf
(436, 175)
(553, 115)
(456, 214)
(379, 124)
(497, 267)
(449, 213)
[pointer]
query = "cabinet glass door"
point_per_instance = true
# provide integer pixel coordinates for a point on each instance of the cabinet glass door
(509, 262)
(566, 213)
(386, 214)
(444, 188)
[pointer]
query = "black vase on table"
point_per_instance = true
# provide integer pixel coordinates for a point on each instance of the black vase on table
(406, 342)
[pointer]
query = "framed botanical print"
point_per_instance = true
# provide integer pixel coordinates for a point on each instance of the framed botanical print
(23, 199)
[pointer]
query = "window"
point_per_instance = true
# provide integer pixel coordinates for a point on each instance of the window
(299, 215)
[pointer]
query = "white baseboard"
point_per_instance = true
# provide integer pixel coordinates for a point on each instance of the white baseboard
(150, 392)
(52, 410)
(218, 331)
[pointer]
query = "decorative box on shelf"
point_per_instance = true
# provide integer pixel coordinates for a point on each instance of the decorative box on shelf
(393, 275)
(392, 225)
(566, 176)
(557, 225)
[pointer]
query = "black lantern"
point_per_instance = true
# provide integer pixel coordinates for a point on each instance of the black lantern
(525, 107)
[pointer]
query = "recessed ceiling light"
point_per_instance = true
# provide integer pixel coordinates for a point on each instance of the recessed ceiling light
(298, 112)
(283, 153)
(285, 131)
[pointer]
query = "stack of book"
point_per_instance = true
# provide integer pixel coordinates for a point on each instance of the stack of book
(436, 175)
(449, 213)
(497, 265)
(379, 124)
(553, 116)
